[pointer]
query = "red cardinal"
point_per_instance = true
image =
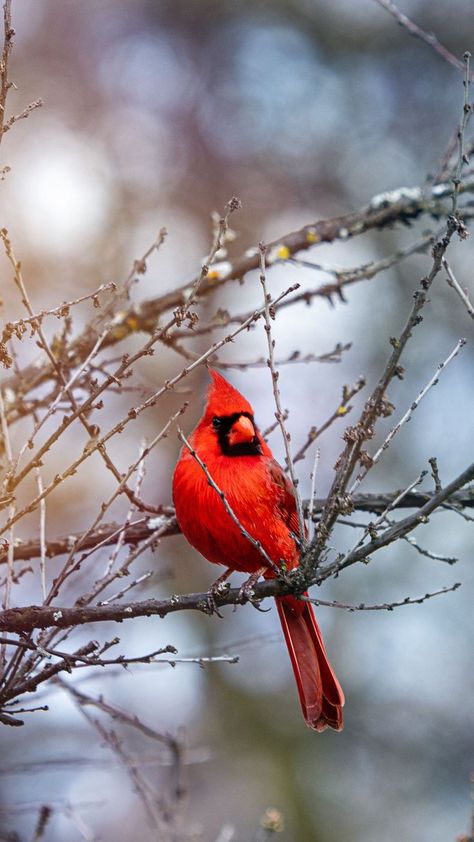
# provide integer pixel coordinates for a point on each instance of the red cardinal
(262, 498)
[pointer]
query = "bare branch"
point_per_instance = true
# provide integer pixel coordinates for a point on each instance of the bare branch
(338, 501)
(383, 210)
(27, 618)
(5, 84)
(403, 527)
(145, 528)
(372, 460)
(37, 103)
(384, 606)
(428, 38)
(343, 408)
(279, 415)
(451, 280)
(312, 497)
(462, 159)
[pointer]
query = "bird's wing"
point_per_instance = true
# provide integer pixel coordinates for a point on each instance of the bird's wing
(287, 505)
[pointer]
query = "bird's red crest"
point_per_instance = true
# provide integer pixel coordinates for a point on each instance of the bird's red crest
(223, 399)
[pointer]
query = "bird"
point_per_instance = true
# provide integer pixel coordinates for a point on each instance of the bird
(263, 500)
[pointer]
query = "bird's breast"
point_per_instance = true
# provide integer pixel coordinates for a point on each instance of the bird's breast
(250, 493)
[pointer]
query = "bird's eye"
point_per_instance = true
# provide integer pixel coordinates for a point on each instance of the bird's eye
(216, 422)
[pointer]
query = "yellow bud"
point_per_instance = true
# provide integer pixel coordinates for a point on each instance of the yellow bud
(132, 323)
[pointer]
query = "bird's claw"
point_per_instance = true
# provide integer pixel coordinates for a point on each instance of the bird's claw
(246, 592)
(212, 604)
(220, 586)
(255, 603)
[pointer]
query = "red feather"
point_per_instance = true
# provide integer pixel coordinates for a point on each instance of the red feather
(262, 498)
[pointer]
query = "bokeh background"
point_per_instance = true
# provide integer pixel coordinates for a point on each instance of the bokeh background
(156, 113)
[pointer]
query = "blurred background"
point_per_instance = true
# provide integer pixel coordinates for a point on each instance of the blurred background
(156, 113)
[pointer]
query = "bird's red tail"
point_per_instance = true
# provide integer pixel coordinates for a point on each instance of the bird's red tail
(320, 693)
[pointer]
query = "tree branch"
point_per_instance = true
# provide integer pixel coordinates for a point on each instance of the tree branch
(384, 210)
(428, 38)
(28, 618)
(143, 528)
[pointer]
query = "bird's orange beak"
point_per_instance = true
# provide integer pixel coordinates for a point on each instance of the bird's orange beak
(242, 431)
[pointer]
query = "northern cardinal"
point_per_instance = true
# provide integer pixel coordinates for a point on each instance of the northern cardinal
(263, 500)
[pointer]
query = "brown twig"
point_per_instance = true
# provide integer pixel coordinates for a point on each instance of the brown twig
(453, 283)
(37, 103)
(339, 501)
(5, 84)
(227, 507)
(27, 618)
(145, 528)
(402, 527)
(367, 271)
(372, 460)
(18, 327)
(396, 206)
(383, 606)
(70, 566)
(428, 38)
(151, 401)
(343, 408)
(279, 414)
(166, 817)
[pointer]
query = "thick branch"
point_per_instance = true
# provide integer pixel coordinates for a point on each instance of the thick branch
(143, 529)
(402, 527)
(386, 209)
(32, 617)
(356, 437)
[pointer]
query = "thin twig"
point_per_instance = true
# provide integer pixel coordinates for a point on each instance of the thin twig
(225, 503)
(428, 553)
(37, 103)
(164, 817)
(125, 365)
(372, 460)
(453, 283)
(367, 271)
(5, 84)
(279, 415)
(371, 528)
(466, 113)
(312, 496)
(385, 209)
(27, 618)
(69, 567)
(12, 506)
(384, 606)
(342, 409)
(428, 38)
(42, 531)
(338, 501)
(144, 527)
(401, 528)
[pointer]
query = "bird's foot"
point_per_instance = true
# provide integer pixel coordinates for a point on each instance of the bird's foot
(220, 586)
(246, 592)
